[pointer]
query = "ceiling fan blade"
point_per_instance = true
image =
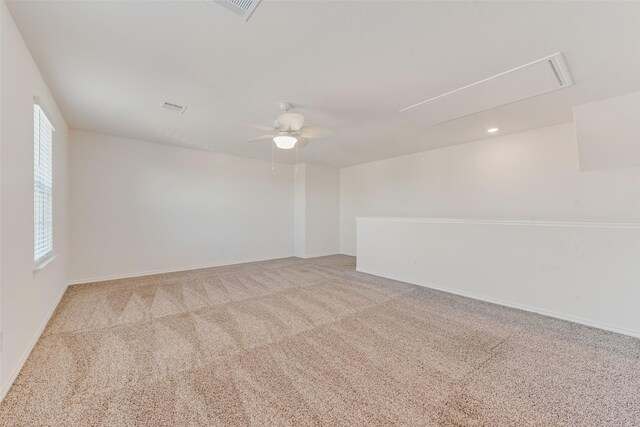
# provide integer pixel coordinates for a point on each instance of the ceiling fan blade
(302, 142)
(261, 138)
(260, 127)
(291, 121)
(314, 132)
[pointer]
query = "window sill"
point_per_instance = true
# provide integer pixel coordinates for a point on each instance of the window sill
(41, 264)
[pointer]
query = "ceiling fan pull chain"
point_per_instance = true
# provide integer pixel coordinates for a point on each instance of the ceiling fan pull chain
(273, 149)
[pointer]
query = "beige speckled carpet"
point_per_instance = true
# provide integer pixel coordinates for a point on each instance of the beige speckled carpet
(312, 342)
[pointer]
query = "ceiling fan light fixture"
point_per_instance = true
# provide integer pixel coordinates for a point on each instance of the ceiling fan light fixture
(286, 142)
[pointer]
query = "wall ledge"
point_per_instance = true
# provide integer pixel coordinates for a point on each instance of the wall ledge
(510, 222)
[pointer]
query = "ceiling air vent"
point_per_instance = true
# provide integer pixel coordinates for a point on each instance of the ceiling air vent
(173, 107)
(535, 78)
(243, 8)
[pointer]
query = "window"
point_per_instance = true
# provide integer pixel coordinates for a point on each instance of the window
(42, 184)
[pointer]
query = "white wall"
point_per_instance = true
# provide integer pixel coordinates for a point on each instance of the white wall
(608, 132)
(300, 211)
(529, 175)
(26, 300)
(587, 272)
(140, 207)
(322, 210)
(317, 212)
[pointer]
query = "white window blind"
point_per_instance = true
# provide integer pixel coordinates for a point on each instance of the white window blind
(42, 184)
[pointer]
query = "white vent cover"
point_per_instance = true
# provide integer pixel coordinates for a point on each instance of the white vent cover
(173, 107)
(243, 8)
(532, 79)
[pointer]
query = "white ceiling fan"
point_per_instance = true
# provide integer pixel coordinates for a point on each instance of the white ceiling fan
(289, 130)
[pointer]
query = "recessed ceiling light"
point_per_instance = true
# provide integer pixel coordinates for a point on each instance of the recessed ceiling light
(493, 130)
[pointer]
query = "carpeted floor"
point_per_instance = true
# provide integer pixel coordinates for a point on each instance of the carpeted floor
(312, 342)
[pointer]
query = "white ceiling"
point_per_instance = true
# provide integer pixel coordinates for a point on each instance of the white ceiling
(347, 65)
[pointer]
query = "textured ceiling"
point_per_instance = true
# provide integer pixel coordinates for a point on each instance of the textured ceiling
(347, 65)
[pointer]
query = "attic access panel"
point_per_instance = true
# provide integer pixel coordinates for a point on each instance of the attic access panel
(243, 8)
(535, 78)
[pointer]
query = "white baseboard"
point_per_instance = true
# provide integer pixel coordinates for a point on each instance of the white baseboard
(34, 340)
(320, 255)
(530, 309)
(172, 270)
(580, 271)
(598, 325)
